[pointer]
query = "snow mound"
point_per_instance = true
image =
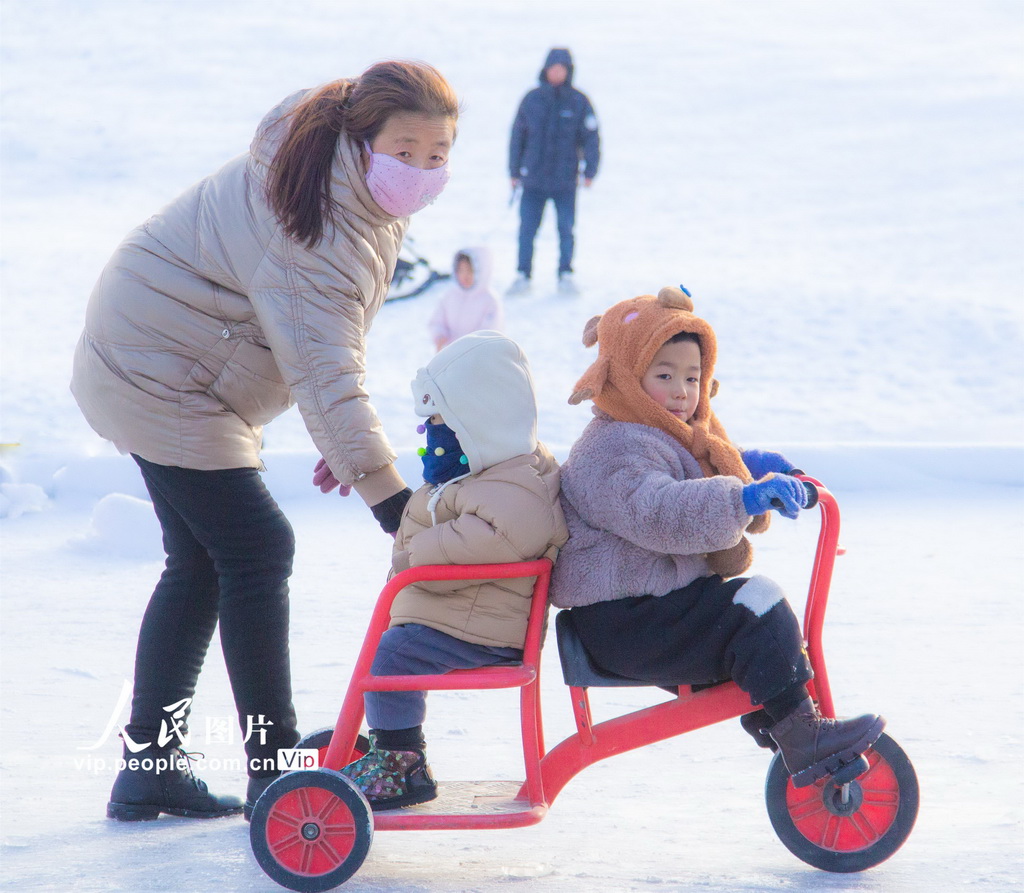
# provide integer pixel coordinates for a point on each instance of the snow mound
(17, 499)
(126, 526)
(91, 477)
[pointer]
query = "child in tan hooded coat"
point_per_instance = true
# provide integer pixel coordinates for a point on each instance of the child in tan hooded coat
(657, 500)
(490, 496)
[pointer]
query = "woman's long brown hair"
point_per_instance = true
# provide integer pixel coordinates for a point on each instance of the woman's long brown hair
(299, 187)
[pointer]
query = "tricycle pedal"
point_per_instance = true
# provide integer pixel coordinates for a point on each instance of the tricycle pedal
(849, 771)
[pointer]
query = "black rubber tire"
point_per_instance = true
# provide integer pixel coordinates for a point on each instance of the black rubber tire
(818, 827)
(311, 830)
(321, 739)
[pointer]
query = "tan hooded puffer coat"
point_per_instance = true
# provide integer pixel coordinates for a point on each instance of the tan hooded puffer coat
(209, 321)
(506, 509)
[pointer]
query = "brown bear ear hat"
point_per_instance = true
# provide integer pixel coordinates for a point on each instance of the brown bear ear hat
(628, 335)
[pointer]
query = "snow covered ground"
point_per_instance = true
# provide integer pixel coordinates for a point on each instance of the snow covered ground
(840, 187)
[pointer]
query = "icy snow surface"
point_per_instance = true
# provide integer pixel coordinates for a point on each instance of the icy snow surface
(839, 184)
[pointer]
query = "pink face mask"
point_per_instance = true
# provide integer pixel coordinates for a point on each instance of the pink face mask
(401, 189)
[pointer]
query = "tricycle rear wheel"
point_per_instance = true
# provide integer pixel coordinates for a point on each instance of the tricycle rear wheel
(311, 830)
(320, 740)
(852, 829)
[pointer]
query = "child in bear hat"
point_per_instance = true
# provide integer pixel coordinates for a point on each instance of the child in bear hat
(657, 500)
(490, 496)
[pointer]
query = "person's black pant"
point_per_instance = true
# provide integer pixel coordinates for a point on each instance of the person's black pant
(710, 631)
(229, 556)
(531, 211)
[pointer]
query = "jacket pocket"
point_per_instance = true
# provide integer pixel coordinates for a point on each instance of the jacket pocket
(250, 385)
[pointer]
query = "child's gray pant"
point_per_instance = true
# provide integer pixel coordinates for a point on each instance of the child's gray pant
(416, 650)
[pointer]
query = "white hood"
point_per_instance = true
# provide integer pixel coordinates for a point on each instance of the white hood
(482, 386)
(482, 263)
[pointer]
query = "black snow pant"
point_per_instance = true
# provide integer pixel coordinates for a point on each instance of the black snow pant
(229, 556)
(710, 631)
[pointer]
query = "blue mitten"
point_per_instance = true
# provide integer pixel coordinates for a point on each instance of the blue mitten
(782, 493)
(762, 462)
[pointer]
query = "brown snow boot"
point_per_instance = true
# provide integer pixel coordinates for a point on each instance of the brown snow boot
(813, 746)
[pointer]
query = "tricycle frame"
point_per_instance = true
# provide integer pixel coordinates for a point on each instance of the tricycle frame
(312, 829)
(548, 772)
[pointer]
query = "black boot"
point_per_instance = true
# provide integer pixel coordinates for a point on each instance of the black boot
(160, 780)
(254, 790)
(813, 746)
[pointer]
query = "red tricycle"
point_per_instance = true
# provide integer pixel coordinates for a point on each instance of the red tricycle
(312, 829)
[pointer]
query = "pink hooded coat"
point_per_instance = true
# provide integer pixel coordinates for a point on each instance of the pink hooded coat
(461, 310)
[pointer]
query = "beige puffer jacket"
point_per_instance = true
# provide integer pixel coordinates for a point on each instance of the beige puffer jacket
(209, 321)
(508, 512)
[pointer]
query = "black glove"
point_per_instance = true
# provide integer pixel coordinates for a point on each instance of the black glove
(389, 512)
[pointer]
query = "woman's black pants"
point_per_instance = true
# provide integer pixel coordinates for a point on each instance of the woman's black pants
(229, 556)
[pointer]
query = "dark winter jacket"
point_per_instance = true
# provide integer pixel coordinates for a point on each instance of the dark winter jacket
(554, 128)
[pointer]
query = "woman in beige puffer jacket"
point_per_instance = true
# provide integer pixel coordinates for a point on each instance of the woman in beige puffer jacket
(252, 291)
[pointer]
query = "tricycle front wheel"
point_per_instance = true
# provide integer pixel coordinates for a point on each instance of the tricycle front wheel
(846, 827)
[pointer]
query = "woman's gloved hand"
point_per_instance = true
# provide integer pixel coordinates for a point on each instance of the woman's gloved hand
(324, 478)
(389, 512)
(785, 494)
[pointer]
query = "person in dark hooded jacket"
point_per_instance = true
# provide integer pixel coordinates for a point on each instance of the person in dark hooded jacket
(554, 129)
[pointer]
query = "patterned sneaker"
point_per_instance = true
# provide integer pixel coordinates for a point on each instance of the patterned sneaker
(366, 762)
(393, 778)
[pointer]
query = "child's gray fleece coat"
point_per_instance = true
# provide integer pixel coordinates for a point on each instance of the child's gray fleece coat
(641, 516)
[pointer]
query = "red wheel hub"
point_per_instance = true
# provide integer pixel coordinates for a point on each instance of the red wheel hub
(310, 831)
(846, 822)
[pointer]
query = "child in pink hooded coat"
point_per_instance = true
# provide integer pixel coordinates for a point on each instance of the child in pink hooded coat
(468, 305)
